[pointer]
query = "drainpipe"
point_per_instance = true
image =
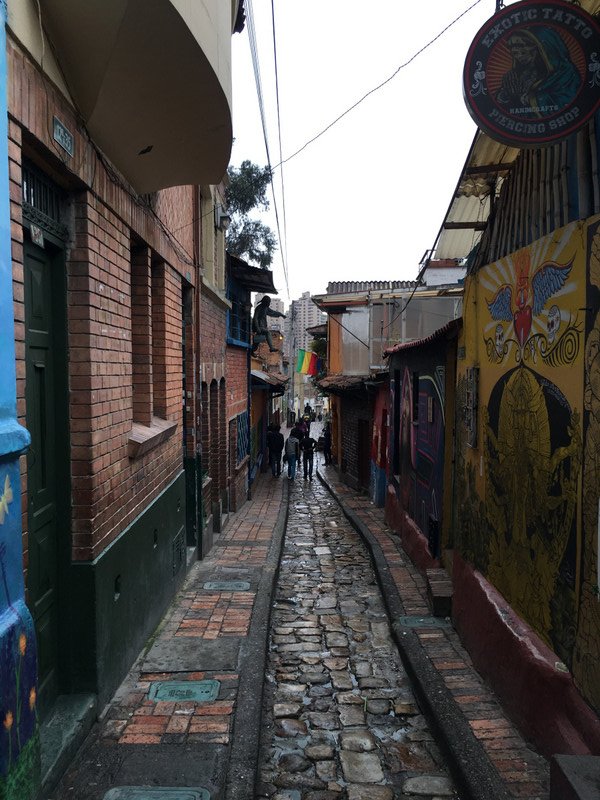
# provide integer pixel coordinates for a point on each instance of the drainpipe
(19, 748)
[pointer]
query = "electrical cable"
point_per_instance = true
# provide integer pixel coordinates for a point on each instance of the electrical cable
(284, 261)
(348, 331)
(256, 67)
(379, 86)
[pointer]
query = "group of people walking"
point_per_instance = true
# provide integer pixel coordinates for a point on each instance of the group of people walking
(298, 444)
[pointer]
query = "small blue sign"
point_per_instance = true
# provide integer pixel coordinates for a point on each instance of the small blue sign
(184, 691)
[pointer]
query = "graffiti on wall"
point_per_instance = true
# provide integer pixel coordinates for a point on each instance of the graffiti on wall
(518, 492)
(420, 441)
(532, 473)
(528, 319)
(587, 645)
(19, 750)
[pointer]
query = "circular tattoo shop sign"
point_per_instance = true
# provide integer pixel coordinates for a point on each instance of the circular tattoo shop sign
(532, 73)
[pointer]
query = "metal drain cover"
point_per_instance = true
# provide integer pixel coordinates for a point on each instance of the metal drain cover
(184, 691)
(422, 622)
(227, 586)
(156, 793)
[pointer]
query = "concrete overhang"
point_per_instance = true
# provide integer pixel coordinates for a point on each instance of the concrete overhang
(152, 82)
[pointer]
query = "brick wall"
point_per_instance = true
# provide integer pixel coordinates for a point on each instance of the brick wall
(109, 489)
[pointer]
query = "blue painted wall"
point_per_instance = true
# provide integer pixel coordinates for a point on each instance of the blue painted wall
(19, 742)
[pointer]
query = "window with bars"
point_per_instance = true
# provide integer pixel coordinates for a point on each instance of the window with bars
(242, 437)
(238, 316)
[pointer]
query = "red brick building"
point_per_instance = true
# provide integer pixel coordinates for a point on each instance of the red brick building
(114, 277)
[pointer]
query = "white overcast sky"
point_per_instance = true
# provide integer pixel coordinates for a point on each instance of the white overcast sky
(366, 200)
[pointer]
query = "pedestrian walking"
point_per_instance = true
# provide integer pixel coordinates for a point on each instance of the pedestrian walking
(275, 442)
(307, 446)
(327, 443)
(292, 453)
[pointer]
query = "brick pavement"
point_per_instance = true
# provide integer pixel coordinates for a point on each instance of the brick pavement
(524, 772)
(133, 743)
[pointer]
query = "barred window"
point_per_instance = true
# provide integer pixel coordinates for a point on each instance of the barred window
(242, 437)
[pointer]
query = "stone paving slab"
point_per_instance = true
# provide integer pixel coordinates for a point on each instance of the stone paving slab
(340, 720)
(477, 734)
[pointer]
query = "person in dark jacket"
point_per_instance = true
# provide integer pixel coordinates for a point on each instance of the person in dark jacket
(275, 443)
(292, 453)
(307, 446)
(327, 443)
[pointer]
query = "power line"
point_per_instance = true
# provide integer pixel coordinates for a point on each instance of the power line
(256, 67)
(284, 244)
(379, 86)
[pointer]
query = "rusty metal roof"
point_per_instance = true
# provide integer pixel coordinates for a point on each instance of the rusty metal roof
(448, 331)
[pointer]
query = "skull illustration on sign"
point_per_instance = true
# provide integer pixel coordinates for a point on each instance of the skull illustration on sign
(553, 323)
(499, 340)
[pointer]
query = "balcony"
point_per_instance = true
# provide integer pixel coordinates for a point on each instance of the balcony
(152, 81)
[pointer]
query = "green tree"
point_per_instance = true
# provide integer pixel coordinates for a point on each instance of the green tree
(249, 238)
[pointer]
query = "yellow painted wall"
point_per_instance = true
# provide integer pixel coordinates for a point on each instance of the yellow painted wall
(517, 514)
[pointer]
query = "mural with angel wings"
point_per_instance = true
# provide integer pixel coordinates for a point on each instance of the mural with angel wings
(530, 302)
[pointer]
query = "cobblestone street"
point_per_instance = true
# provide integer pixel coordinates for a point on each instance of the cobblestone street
(340, 719)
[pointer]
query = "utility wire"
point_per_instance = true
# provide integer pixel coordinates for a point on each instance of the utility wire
(358, 102)
(256, 67)
(335, 319)
(280, 146)
(379, 86)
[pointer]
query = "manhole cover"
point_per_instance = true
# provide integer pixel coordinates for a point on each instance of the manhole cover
(156, 793)
(227, 586)
(422, 622)
(181, 691)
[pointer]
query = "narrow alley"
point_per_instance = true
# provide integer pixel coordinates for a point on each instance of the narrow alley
(276, 674)
(340, 714)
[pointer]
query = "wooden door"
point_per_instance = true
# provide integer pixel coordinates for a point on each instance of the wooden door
(42, 489)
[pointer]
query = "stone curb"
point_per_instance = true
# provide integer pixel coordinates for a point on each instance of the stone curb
(245, 741)
(470, 766)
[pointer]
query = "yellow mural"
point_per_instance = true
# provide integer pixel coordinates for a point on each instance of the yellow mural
(518, 494)
(587, 647)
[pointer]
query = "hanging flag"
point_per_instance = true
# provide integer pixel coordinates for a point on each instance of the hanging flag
(300, 360)
(306, 362)
(312, 367)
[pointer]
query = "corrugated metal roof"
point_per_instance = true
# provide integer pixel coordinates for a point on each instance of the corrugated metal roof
(486, 166)
(350, 287)
(447, 331)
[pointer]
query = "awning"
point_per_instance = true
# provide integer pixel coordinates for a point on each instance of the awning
(256, 279)
(269, 378)
(338, 384)
(448, 331)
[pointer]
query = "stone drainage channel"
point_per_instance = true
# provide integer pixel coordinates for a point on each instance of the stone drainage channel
(340, 718)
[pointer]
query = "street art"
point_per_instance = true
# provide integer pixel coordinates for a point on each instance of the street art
(532, 473)
(587, 645)
(518, 508)
(422, 450)
(529, 301)
(19, 745)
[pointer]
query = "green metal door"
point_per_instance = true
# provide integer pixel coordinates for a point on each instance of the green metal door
(40, 396)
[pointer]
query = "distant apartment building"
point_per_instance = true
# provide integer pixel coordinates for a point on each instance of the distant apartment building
(303, 314)
(275, 323)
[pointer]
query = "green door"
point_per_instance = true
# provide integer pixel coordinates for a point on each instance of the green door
(42, 470)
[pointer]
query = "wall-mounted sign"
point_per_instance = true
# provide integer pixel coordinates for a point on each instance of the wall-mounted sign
(63, 136)
(532, 73)
(37, 235)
